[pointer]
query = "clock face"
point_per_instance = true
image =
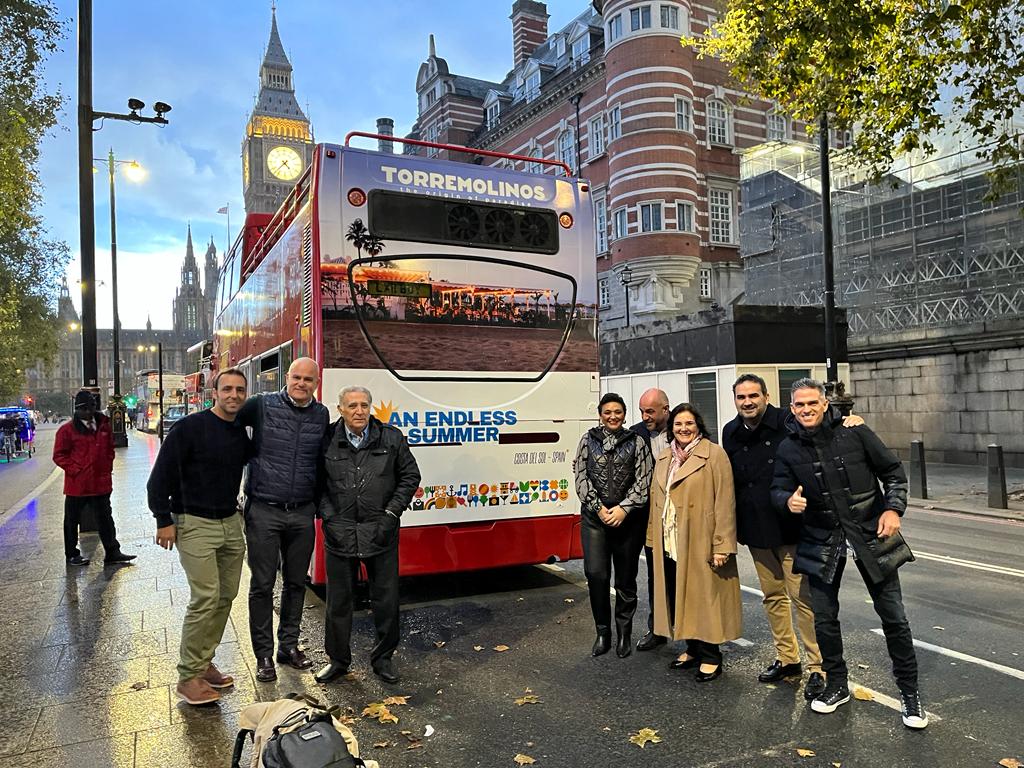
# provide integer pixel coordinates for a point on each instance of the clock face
(284, 162)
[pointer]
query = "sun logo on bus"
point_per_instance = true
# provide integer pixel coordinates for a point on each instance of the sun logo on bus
(383, 411)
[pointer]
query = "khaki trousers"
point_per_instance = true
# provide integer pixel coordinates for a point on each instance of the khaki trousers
(783, 589)
(211, 553)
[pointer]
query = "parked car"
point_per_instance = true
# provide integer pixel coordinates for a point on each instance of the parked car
(172, 415)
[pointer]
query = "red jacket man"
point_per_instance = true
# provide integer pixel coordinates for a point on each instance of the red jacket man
(84, 449)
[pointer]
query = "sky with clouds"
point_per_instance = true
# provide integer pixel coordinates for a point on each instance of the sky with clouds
(353, 62)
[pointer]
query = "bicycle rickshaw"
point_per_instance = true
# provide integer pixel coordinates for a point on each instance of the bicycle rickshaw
(18, 433)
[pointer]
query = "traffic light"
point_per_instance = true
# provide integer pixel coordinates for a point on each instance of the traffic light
(130, 401)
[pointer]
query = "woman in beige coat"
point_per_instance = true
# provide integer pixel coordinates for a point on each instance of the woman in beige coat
(693, 520)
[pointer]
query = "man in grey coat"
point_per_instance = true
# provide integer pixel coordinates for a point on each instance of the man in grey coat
(288, 430)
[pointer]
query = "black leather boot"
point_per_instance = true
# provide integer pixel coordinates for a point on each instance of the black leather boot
(603, 643)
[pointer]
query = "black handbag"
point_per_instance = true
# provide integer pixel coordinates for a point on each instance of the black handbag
(891, 552)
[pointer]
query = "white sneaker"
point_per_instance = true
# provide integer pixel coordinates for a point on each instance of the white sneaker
(914, 715)
(833, 698)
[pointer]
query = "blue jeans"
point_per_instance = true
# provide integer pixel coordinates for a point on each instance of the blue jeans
(888, 602)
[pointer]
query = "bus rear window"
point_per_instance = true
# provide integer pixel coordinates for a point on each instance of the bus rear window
(443, 221)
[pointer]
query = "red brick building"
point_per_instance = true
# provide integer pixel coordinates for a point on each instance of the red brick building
(656, 131)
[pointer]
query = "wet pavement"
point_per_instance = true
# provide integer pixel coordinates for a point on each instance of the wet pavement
(87, 670)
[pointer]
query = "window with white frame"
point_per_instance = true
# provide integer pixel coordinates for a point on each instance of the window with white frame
(619, 223)
(431, 96)
(566, 149)
(684, 114)
(581, 50)
(720, 215)
(670, 17)
(650, 217)
(776, 124)
(493, 112)
(684, 217)
(614, 123)
(595, 137)
(560, 47)
(601, 223)
(535, 167)
(705, 282)
(718, 122)
(604, 294)
(614, 28)
(533, 86)
(640, 18)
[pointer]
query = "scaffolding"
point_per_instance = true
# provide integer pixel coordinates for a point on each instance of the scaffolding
(922, 248)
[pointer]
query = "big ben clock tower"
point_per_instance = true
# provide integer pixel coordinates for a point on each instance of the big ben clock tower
(278, 143)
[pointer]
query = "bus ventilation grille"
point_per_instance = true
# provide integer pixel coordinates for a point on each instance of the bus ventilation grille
(307, 275)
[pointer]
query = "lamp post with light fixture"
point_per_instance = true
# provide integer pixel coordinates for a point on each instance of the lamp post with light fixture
(626, 276)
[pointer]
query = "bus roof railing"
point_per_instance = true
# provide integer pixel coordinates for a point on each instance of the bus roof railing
(459, 148)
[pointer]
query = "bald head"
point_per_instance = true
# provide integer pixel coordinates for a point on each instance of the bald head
(654, 409)
(303, 378)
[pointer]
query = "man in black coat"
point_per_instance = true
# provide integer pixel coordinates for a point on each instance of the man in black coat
(371, 477)
(830, 477)
(653, 428)
(751, 440)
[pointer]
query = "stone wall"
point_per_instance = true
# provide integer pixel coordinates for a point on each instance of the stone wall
(947, 390)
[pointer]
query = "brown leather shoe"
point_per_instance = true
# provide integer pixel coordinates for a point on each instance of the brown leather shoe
(197, 691)
(216, 678)
(265, 671)
(294, 658)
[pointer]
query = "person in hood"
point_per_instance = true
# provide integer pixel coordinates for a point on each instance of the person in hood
(370, 477)
(84, 449)
(613, 468)
(850, 492)
(288, 428)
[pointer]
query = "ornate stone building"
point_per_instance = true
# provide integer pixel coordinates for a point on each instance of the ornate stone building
(278, 143)
(617, 98)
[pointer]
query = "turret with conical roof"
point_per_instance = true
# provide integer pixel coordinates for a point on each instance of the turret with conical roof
(278, 143)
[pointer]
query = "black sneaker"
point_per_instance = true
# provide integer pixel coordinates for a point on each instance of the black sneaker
(914, 715)
(78, 560)
(815, 686)
(833, 698)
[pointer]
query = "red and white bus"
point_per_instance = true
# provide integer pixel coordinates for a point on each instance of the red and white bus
(464, 298)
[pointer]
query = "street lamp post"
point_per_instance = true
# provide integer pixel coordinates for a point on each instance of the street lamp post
(626, 276)
(575, 101)
(116, 405)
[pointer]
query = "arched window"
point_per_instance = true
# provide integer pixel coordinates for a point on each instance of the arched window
(566, 148)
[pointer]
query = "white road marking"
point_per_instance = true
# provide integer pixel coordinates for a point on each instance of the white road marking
(1000, 569)
(742, 642)
(965, 657)
(21, 503)
(889, 701)
(751, 590)
(552, 567)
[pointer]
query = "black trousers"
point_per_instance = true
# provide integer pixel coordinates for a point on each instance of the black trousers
(888, 602)
(649, 557)
(605, 548)
(73, 508)
(382, 570)
(276, 536)
(705, 653)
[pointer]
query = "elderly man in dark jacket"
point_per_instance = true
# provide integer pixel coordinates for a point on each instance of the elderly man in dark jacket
(830, 477)
(370, 477)
(288, 428)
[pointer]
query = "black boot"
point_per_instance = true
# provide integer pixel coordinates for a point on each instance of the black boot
(624, 646)
(603, 643)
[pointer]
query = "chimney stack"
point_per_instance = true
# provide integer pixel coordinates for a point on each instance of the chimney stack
(529, 29)
(385, 127)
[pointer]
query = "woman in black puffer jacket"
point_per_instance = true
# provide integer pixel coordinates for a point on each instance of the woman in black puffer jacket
(613, 468)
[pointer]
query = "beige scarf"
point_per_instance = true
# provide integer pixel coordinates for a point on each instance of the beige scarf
(668, 513)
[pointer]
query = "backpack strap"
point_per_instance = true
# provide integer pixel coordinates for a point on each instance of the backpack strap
(236, 755)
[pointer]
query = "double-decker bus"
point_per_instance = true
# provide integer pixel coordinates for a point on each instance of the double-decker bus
(464, 298)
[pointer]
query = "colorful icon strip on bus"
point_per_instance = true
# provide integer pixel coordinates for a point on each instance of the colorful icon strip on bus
(490, 494)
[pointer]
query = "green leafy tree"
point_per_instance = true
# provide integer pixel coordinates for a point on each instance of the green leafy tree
(30, 263)
(897, 70)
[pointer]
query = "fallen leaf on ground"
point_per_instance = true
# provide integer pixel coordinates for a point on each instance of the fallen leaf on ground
(524, 760)
(805, 752)
(606, 728)
(837, 765)
(478, 647)
(382, 744)
(415, 745)
(569, 600)
(392, 701)
(428, 731)
(501, 648)
(941, 629)
(528, 699)
(439, 643)
(140, 685)
(862, 694)
(1011, 762)
(380, 711)
(644, 736)
(529, 743)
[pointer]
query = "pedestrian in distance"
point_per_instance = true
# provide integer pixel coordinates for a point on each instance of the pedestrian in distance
(193, 494)
(696, 581)
(370, 477)
(288, 428)
(84, 449)
(653, 428)
(613, 477)
(849, 492)
(752, 440)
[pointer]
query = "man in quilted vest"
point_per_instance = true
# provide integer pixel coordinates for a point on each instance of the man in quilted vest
(288, 428)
